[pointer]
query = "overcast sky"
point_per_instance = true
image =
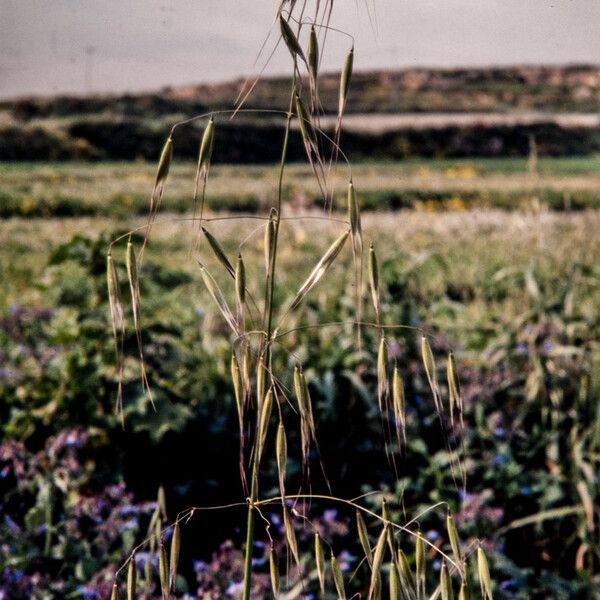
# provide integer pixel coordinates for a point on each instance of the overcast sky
(81, 46)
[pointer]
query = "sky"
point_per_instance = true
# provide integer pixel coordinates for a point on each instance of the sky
(98, 46)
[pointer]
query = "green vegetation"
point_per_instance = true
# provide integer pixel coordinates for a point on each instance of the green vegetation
(514, 294)
(123, 189)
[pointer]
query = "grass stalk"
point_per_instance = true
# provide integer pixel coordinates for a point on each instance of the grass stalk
(270, 288)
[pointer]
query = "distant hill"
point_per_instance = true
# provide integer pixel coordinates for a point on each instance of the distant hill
(134, 126)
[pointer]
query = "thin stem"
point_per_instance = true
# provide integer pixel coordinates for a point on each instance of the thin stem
(270, 287)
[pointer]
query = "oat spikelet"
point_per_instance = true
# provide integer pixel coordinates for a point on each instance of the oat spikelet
(338, 578)
(320, 561)
(430, 371)
(246, 370)
(162, 172)
(217, 295)
(453, 387)
(406, 575)
(307, 428)
(264, 417)
(290, 535)
(131, 579)
(291, 41)
(382, 375)
(394, 583)
(378, 556)
(269, 238)
(164, 165)
(117, 319)
(399, 405)
(420, 564)
(454, 541)
(313, 58)
(446, 583)
(238, 389)
(307, 130)
(134, 286)
(281, 451)
(319, 270)
(174, 558)
(240, 289)
(311, 144)
(374, 282)
(261, 374)
(363, 537)
(203, 166)
(483, 571)
(218, 251)
(463, 594)
(357, 248)
(163, 570)
(345, 82)
(115, 592)
(274, 570)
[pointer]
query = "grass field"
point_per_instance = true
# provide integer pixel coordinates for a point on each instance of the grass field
(122, 189)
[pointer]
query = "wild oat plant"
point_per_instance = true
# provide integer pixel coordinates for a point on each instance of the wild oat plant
(273, 405)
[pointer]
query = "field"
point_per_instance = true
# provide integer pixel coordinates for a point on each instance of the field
(491, 260)
(123, 189)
